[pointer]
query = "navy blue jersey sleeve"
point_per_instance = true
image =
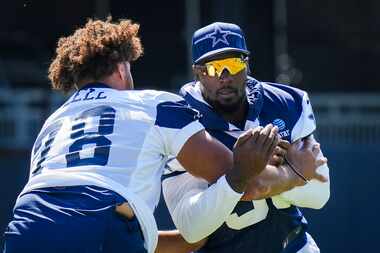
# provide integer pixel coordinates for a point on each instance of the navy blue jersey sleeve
(175, 114)
(288, 108)
(176, 122)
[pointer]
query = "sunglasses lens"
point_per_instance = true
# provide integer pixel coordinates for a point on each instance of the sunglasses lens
(233, 65)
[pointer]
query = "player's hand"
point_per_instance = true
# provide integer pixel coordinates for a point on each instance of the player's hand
(279, 153)
(252, 152)
(303, 155)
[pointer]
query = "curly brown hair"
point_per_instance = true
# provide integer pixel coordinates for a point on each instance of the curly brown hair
(93, 52)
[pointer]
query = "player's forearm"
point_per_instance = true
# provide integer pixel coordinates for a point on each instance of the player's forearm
(272, 181)
(194, 211)
(173, 242)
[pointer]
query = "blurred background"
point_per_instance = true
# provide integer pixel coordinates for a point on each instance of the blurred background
(329, 48)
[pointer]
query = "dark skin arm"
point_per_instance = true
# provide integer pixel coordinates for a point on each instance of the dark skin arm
(278, 177)
(203, 147)
(173, 242)
(271, 181)
(250, 156)
(303, 153)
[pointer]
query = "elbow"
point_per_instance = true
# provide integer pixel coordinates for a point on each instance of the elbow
(191, 236)
(192, 230)
(313, 195)
(195, 230)
(318, 201)
(256, 190)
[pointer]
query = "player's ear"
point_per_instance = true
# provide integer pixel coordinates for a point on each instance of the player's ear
(195, 72)
(122, 71)
(248, 70)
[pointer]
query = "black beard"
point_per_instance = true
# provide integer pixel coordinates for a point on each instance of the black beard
(227, 108)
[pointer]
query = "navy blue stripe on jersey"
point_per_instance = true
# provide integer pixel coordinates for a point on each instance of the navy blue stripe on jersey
(288, 96)
(254, 98)
(175, 114)
(173, 174)
(243, 207)
(297, 94)
(213, 120)
(226, 139)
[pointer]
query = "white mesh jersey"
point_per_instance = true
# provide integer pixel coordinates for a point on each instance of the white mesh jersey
(119, 140)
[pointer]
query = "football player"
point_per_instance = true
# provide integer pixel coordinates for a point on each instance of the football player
(96, 164)
(231, 102)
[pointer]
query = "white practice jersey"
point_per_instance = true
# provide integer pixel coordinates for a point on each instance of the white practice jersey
(119, 140)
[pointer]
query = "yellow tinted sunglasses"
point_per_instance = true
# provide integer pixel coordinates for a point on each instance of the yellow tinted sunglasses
(233, 65)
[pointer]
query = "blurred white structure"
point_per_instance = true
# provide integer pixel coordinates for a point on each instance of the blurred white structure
(345, 119)
(23, 112)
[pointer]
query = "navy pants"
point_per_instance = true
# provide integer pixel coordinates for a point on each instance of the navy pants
(76, 219)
